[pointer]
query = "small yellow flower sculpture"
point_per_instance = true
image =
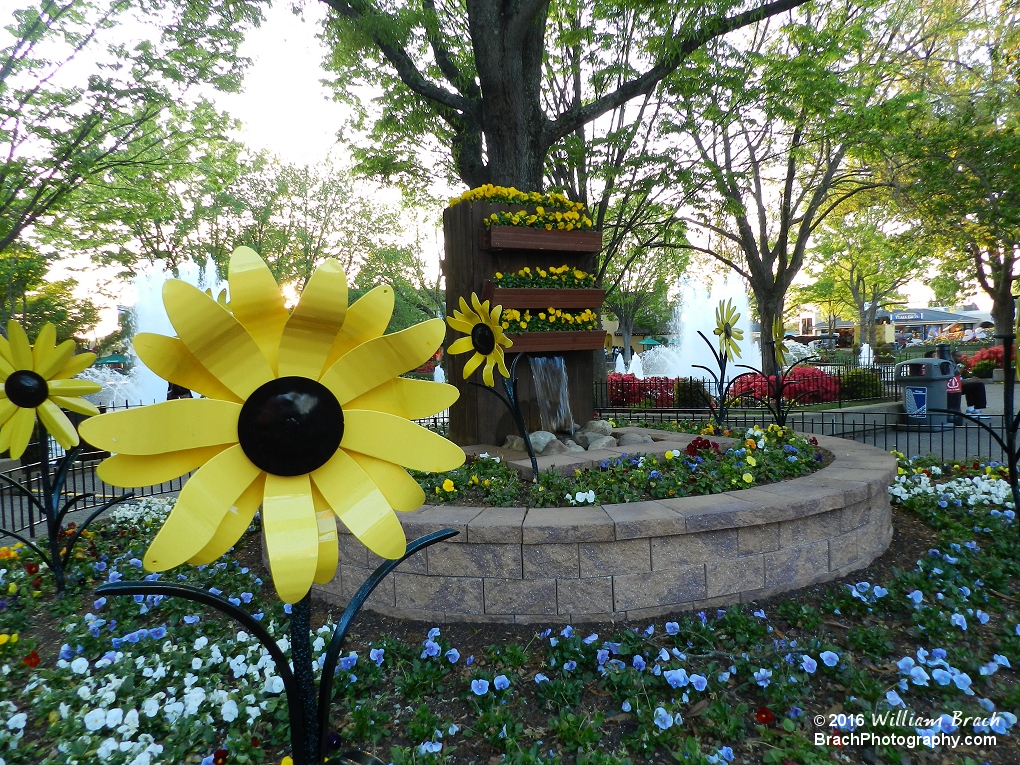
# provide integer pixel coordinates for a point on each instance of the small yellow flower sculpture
(726, 318)
(778, 335)
(304, 414)
(484, 336)
(37, 381)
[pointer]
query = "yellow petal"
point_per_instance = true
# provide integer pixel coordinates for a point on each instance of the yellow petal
(7, 410)
(472, 364)
(5, 437)
(57, 424)
(459, 324)
(20, 428)
(366, 319)
(55, 360)
(235, 522)
(75, 365)
(73, 387)
(187, 423)
(410, 399)
(44, 344)
(487, 372)
(401, 491)
(218, 340)
(396, 440)
(79, 405)
(6, 370)
(21, 349)
(130, 471)
(291, 534)
(205, 499)
(461, 345)
(315, 322)
(360, 505)
(329, 550)
(5, 350)
(256, 301)
(169, 358)
(382, 359)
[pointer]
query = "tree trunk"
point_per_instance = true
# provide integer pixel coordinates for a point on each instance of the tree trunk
(1002, 310)
(770, 307)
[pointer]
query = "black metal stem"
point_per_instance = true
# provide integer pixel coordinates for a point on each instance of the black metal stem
(308, 710)
(510, 402)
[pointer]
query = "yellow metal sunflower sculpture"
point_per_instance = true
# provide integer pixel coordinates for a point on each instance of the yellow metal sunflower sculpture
(37, 381)
(778, 335)
(726, 318)
(484, 336)
(304, 414)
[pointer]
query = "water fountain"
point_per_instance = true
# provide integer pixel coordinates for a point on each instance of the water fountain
(620, 368)
(867, 355)
(694, 312)
(438, 375)
(637, 367)
(552, 393)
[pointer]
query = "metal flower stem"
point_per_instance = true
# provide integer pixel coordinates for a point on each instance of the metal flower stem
(774, 400)
(53, 511)
(722, 387)
(307, 709)
(511, 402)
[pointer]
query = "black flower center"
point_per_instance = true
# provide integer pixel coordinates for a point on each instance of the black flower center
(26, 389)
(483, 338)
(290, 426)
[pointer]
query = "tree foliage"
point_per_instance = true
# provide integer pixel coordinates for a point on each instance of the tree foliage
(30, 296)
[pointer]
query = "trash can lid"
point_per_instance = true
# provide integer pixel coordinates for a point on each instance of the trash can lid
(925, 369)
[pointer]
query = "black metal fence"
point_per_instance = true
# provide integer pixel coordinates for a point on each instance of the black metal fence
(833, 384)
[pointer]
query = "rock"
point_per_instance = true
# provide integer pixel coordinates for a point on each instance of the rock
(602, 442)
(573, 446)
(515, 443)
(555, 447)
(585, 437)
(540, 439)
(601, 427)
(629, 439)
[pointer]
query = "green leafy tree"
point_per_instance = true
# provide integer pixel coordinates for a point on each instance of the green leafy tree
(418, 290)
(31, 297)
(773, 122)
(466, 80)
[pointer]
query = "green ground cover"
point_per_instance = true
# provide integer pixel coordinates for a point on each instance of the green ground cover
(931, 630)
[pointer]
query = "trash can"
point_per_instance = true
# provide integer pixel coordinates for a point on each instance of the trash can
(924, 389)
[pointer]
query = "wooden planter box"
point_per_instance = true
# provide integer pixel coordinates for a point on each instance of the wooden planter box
(521, 238)
(544, 342)
(527, 297)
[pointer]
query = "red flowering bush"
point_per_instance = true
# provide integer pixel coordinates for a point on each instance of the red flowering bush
(627, 390)
(992, 353)
(810, 385)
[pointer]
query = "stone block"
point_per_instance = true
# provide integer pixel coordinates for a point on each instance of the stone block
(855, 515)
(497, 525)
(554, 560)
(635, 520)
(544, 525)
(802, 531)
(799, 499)
(728, 577)
(430, 519)
(584, 596)
(457, 594)
(796, 566)
(502, 561)
(659, 588)
(351, 579)
(628, 556)
(351, 550)
(514, 596)
(853, 491)
(753, 540)
(723, 511)
(686, 549)
(843, 550)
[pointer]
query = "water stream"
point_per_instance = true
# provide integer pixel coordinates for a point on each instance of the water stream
(550, 376)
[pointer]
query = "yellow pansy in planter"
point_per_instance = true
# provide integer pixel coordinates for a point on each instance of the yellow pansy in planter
(484, 336)
(36, 381)
(305, 414)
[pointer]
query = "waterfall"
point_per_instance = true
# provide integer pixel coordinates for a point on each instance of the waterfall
(550, 376)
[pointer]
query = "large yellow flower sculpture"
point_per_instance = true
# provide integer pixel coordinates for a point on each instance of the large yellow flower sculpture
(778, 338)
(726, 318)
(304, 414)
(37, 381)
(484, 336)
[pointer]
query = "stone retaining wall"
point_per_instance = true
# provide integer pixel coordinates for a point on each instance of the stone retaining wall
(637, 560)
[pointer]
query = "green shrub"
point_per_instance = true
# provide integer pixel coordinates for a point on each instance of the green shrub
(984, 368)
(691, 394)
(859, 384)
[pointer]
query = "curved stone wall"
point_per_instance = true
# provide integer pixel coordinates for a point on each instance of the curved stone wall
(637, 560)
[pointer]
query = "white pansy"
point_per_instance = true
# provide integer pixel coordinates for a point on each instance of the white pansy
(274, 684)
(107, 748)
(150, 708)
(80, 665)
(114, 717)
(130, 721)
(17, 722)
(95, 719)
(201, 643)
(229, 710)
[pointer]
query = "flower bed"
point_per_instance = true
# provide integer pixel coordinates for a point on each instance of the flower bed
(809, 385)
(935, 634)
(627, 390)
